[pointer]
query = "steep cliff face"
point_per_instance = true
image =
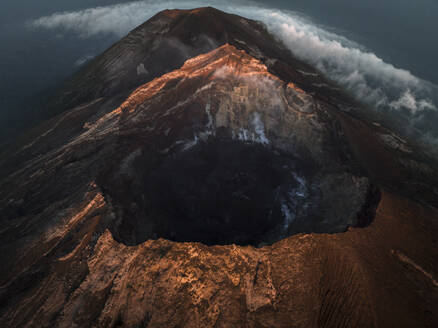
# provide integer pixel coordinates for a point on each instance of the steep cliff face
(187, 190)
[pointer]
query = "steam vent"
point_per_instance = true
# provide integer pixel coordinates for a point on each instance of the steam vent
(197, 174)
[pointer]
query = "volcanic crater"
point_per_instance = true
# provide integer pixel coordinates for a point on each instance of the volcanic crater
(223, 191)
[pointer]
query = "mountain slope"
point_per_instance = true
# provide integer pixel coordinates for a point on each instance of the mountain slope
(232, 143)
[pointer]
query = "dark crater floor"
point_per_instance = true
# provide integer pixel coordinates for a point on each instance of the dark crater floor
(225, 192)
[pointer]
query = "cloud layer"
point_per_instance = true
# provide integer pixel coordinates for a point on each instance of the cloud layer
(368, 77)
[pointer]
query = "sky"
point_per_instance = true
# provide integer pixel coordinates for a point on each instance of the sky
(384, 51)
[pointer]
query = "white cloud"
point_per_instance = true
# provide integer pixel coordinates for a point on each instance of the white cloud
(117, 19)
(362, 72)
(409, 101)
(82, 60)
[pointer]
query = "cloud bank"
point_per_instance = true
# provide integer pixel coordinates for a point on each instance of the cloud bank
(82, 60)
(368, 77)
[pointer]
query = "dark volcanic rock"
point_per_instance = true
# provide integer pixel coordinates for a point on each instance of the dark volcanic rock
(174, 137)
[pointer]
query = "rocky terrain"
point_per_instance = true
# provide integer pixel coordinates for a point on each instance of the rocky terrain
(204, 177)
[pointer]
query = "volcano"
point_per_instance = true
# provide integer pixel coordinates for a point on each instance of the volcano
(197, 174)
